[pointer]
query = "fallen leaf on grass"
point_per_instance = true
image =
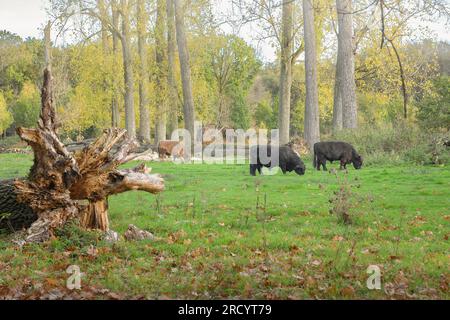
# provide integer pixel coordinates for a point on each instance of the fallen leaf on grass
(114, 296)
(294, 249)
(348, 291)
(316, 263)
(52, 282)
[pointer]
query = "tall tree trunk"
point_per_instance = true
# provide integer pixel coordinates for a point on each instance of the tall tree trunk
(284, 111)
(106, 52)
(171, 50)
(161, 100)
(115, 114)
(346, 79)
(312, 128)
(188, 99)
(104, 32)
(337, 105)
(337, 99)
(130, 117)
(144, 113)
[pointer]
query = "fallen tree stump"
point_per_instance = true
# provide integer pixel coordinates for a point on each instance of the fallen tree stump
(63, 186)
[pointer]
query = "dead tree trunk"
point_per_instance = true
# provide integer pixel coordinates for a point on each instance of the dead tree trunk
(60, 182)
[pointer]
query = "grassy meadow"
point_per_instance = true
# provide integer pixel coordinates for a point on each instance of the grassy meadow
(224, 234)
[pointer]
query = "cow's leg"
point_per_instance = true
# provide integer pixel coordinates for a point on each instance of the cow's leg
(260, 168)
(344, 163)
(318, 164)
(253, 168)
(323, 161)
(283, 169)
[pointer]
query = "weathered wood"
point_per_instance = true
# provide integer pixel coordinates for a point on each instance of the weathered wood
(14, 215)
(95, 216)
(60, 181)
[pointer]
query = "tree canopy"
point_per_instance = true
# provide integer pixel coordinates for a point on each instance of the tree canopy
(232, 85)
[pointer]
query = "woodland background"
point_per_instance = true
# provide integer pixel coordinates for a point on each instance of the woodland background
(116, 63)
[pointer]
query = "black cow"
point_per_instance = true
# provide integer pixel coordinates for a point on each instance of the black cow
(334, 151)
(289, 160)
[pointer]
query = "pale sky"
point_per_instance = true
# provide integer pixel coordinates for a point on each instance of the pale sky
(27, 18)
(24, 17)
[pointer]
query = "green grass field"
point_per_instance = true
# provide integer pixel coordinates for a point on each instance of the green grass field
(213, 243)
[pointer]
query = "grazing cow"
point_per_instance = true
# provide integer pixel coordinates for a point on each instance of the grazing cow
(334, 151)
(289, 160)
(166, 148)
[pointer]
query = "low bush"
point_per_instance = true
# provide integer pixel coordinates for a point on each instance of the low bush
(71, 235)
(403, 142)
(11, 142)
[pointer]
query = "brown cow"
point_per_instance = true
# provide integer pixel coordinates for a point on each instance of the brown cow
(166, 148)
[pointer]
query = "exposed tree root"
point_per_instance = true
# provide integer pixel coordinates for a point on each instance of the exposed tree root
(60, 183)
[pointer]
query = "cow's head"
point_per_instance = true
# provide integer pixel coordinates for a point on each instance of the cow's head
(300, 169)
(357, 162)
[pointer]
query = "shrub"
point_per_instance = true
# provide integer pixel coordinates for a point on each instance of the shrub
(347, 204)
(265, 116)
(434, 110)
(71, 235)
(12, 142)
(5, 117)
(27, 107)
(431, 151)
(404, 142)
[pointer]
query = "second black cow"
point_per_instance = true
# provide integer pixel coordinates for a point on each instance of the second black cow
(288, 159)
(336, 151)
